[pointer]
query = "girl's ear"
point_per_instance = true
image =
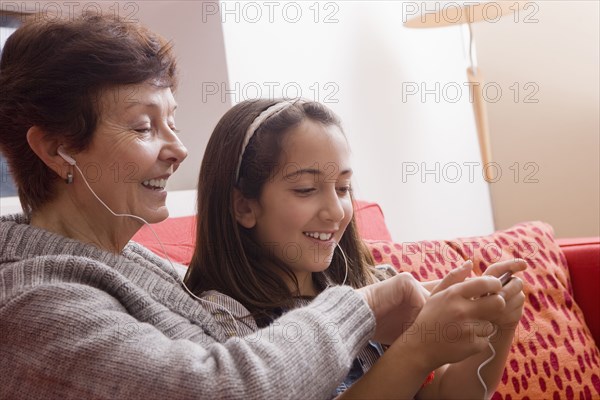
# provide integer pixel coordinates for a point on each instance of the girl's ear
(244, 212)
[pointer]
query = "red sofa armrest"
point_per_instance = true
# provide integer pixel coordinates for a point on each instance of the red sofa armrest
(370, 221)
(583, 259)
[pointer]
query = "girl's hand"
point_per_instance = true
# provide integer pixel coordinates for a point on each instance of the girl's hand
(512, 293)
(396, 302)
(455, 322)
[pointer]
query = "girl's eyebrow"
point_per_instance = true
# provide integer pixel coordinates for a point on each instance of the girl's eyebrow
(313, 171)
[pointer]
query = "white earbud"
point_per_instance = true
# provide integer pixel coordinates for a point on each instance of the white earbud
(65, 156)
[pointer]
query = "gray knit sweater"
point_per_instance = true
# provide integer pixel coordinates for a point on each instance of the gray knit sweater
(80, 322)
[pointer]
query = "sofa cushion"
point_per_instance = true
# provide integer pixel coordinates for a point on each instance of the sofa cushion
(553, 354)
(425, 260)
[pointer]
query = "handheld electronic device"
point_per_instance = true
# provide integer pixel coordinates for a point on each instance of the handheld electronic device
(505, 278)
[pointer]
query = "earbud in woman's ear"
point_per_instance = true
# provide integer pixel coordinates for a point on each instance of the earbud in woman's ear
(65, 156)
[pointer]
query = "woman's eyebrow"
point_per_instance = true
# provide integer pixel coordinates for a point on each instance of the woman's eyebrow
(148, 104)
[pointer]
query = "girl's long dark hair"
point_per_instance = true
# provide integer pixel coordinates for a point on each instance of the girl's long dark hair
(227, 258)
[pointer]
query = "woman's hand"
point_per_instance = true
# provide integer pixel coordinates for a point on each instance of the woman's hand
(512, 293)
(455, 321)
(396, 302)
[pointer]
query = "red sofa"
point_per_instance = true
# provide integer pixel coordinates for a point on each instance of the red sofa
(583, 258)
(555, 352)
(582, 254)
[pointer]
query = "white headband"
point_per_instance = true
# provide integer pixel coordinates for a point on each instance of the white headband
(274, 109)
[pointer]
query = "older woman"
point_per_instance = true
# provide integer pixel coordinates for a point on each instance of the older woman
(84, 313)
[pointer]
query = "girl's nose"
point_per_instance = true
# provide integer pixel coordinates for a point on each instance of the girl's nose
(332, 210)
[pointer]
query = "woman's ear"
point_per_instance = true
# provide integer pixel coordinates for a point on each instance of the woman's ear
(244, 212)
(45, 147)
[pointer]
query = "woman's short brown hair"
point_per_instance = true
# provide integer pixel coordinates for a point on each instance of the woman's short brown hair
(51, 74)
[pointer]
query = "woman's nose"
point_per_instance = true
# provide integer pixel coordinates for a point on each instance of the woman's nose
(173, 150)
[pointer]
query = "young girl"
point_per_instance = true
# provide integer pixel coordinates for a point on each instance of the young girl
(276, 228)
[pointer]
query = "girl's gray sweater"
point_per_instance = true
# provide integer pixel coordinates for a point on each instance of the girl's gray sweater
(80, 322)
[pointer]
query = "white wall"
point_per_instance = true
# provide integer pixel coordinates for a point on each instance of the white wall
(365, 57)
(360, 61)
(559, 130)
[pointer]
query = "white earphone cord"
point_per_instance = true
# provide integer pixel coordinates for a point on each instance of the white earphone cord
(161, 246)
(486, 362)
(345, 262)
